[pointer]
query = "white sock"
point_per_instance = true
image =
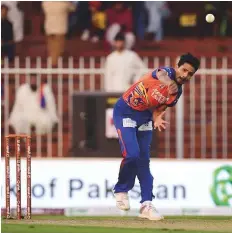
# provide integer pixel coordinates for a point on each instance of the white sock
(147, 202)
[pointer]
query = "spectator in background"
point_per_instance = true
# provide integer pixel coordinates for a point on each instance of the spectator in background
(98, 21)
(96, 28)
(226, 26)
(139, 18)
(157, 11)
(7, 38)
(56, 26)
(16, 17)
(84, 19)
(73, 19)
(123, 67)
(119, 19)
(34, 106)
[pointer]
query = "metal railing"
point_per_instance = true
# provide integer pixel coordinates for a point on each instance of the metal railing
(186, 127)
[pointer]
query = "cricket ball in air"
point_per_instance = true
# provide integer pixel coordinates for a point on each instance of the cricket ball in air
(209, 18)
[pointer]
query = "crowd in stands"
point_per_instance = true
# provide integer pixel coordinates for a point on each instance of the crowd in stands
(117, 24)
(103, 20)
(96, 21)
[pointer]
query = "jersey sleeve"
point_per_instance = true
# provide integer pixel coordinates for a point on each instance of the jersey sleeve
(170, 71)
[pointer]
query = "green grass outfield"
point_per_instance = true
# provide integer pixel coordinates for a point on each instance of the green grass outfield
(59, 224)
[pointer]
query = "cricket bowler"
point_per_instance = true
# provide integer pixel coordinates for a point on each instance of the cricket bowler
(137, 111)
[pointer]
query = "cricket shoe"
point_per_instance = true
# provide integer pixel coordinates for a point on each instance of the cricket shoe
(122, 201)
(148, 211)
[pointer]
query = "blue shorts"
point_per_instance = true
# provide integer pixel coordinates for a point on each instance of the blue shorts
(123, 111)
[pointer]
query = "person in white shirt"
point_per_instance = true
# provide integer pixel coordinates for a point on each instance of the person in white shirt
(157, 12)
(123, 67)
(56, 26)
(34, 106)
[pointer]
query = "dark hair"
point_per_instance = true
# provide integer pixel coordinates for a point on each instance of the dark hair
(120, 37)
(190, 59)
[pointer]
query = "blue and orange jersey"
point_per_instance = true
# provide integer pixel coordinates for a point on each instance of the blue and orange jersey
(149, 92)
